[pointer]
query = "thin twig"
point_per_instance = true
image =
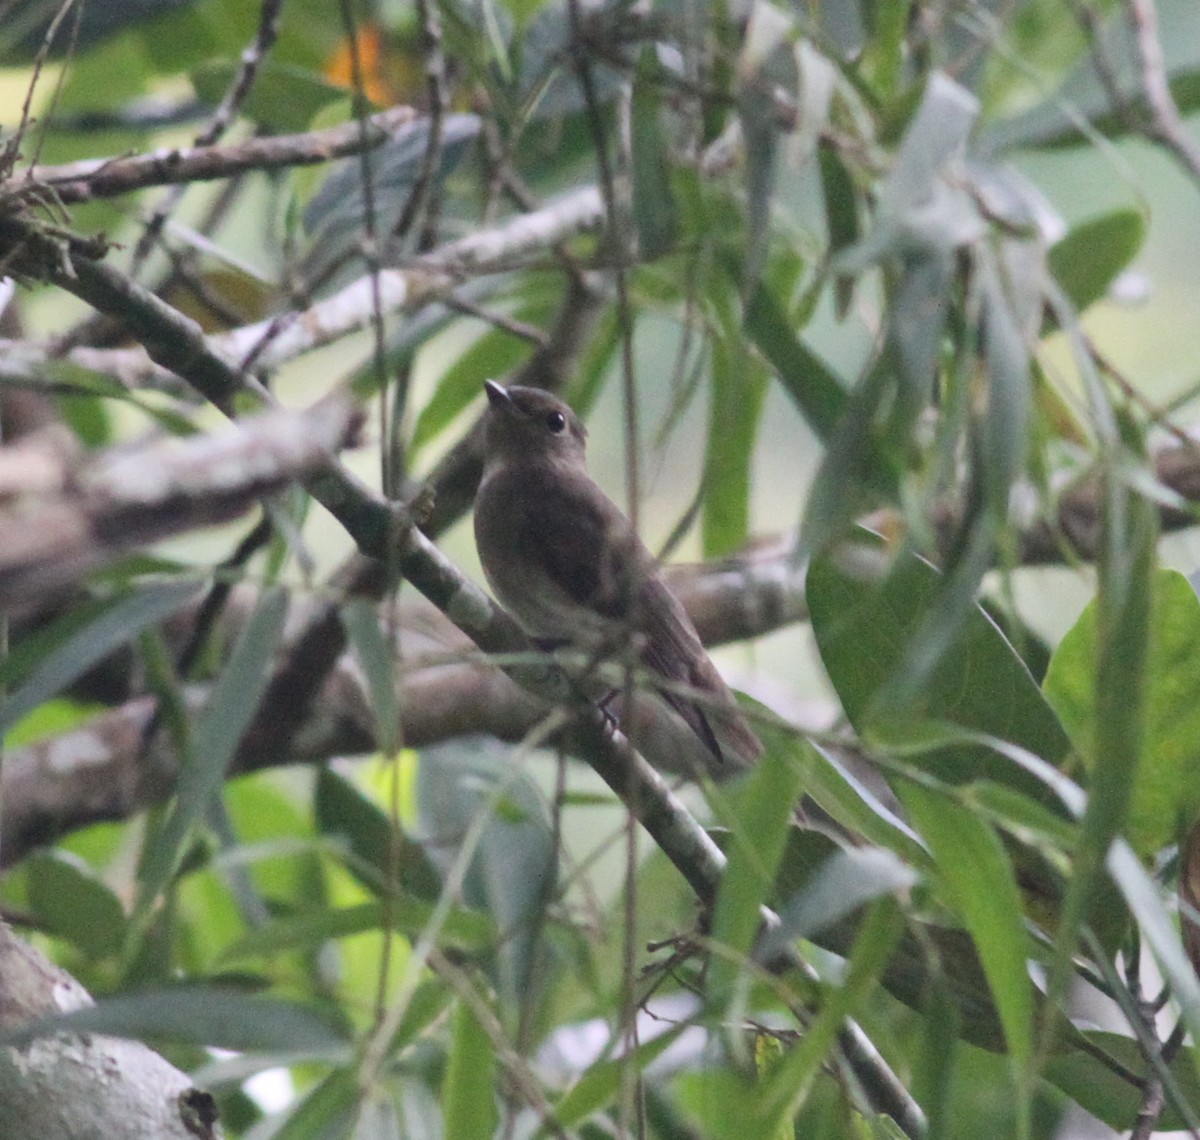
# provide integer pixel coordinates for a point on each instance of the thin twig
(235, 95)
(421, 199)
(111, 177)
(1166, 124)
(369, 243)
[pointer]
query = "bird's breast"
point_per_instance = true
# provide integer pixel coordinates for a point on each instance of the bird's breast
(512, 544)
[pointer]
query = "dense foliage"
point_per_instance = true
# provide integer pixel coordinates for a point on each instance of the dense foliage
(816, 274)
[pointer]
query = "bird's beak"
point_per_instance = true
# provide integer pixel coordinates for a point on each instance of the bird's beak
(497, 396)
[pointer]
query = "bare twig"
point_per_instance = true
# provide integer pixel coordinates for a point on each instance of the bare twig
(421, 199)
(426, 278)
(235, 95)
(112, 177)
(273, 342)
(1166, 124)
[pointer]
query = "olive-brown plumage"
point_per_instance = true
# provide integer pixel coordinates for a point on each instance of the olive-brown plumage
(566, 563)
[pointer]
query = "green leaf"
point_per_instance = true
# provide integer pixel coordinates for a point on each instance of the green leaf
(468, 1097)
(492, 354)
(916, 319)
(1144, 898)
(841, 215)
(1122, 647)
(1004, 423)
(197, 1015)
(602, 1082)
(847, 881)
(468, 788)
(921, 210)
(760, 136)
(71, 901)
(718, 1102)
(335, 217)
(832, 783)
(1087, 261)
(864, 614)
(1110, 1097)
(345, 812)
(788, 1086)
(327, 1112)
(980, 884)
(284, 97)
(110, 626)
(461, 929)
(377, 658)
(1166, 796)
(806, 378)
(1084, 97)
(738, 390)
(764, 805)
(231, 706)
(654, 213)
(855, 473)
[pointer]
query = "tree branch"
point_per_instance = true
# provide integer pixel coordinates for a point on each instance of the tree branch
(87, 514)
(111, 177)
(1166, 124)
(447, 689)
(84, 1084)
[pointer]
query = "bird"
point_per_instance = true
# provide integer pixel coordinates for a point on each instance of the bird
(567, 564)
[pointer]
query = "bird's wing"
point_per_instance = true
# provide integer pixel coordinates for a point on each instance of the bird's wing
(673, 650)
(574, 535)
(582, 543)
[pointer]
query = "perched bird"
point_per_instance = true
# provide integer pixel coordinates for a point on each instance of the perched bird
(566, 563)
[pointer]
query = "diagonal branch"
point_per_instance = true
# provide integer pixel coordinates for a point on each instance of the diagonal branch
(112, 177)
(425, 279)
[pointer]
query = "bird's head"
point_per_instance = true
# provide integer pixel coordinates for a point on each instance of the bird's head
(527, 424)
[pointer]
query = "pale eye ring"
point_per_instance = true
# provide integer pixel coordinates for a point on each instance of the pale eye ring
(556, 421)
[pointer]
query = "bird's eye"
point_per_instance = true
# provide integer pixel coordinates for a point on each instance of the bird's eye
(556, 421)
